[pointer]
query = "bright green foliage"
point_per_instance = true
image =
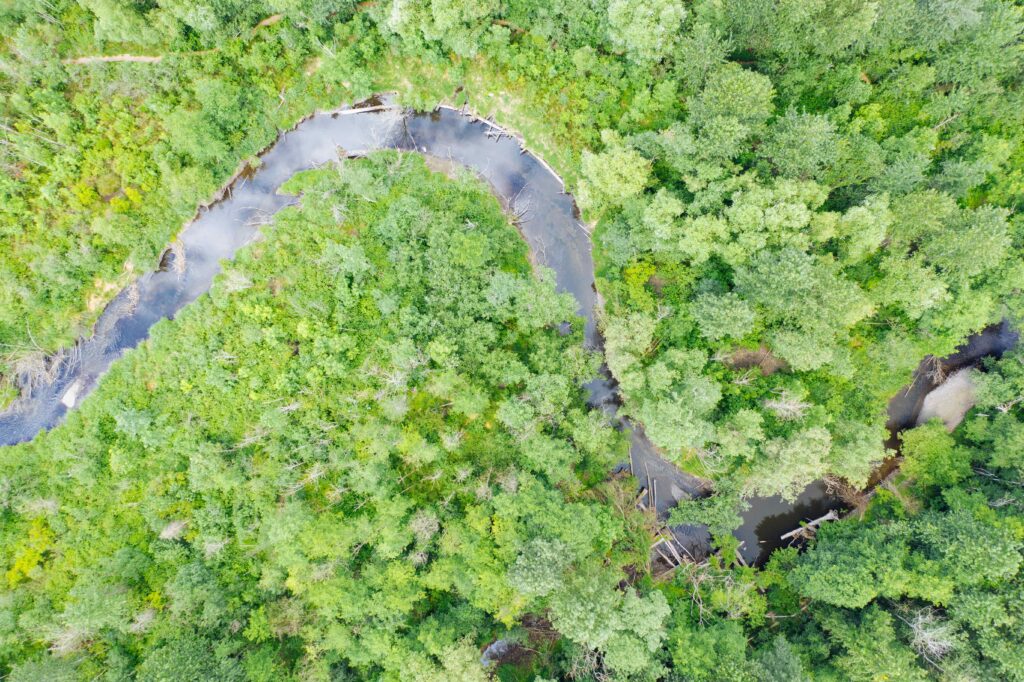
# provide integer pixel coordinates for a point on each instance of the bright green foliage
(719, 512)
(313, 478)
(707, 640)
(734, 93)
(714, 652)
(626, 628)
(885, 575)
(807, 301)
(871, 561)
(457, 25)
(825, 197)
(780, 663)
(612, 177)
(931, 457)
(677, 397)
(999, 438)
(540, 567)
(790, 464)
(857, 449)
(926, 557)
(103, 164)
(870, 648)
(370, 467)
(802, 146)
(700, 52)
(187, 658)
(1002, 387)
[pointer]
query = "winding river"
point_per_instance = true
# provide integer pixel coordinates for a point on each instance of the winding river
(548, 220)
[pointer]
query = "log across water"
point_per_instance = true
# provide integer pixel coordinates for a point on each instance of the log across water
(549, 222)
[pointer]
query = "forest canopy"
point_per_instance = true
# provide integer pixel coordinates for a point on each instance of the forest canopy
(366, 454)
(344, 481)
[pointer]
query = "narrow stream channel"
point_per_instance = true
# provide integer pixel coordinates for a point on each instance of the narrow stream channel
(549, 222)
(770, 517)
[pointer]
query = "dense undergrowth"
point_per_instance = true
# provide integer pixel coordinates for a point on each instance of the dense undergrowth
(793, 203)
(367, 447)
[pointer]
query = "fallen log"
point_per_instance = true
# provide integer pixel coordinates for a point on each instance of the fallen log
(833, 515)
(672, 548)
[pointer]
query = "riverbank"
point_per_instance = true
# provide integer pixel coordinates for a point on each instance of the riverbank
(548, 221)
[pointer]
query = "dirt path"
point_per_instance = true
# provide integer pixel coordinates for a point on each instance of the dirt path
(114, 58)
(141, 58)
(154, 59)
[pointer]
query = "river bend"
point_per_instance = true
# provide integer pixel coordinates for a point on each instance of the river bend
(547, 219)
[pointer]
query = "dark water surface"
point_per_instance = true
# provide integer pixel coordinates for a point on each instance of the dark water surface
(548, 221)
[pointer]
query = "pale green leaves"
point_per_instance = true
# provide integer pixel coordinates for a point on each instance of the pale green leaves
(457, 25)
(801, 146)
(931, 456)
(611, 177)
(909, 285)
(661, 213)
(700, 52)
(646, 30)
(736, 93)
(722, 316)
(540, 567)
(788, 465)
(627, 628)
(858, 449)
(676, 400)
(672, 396)
(627, 340)
(530, 302)
(737, 436)
(807, 300)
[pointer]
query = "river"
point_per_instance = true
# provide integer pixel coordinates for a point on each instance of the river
(547, 219)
